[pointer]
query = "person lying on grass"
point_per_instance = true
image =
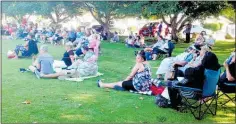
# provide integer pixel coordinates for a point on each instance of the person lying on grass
(44, 62)
(138, 80)
(29, 48)
(80, 68)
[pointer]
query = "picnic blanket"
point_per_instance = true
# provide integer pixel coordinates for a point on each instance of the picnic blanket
(153, 91)
(83, 78)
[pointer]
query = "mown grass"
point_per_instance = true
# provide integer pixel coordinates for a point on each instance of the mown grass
(64, 101)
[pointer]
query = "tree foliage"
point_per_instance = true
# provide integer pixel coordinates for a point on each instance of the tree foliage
(180, 13)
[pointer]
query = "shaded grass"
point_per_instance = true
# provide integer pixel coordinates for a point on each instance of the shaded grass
(63, 101)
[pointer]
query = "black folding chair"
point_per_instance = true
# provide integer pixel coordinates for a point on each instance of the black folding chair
(205, 101)
(227, 94)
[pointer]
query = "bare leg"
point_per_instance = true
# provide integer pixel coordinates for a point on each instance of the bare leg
(148, 49)
(32, 68)
(110, 85)
(154, 56)
(62, 73)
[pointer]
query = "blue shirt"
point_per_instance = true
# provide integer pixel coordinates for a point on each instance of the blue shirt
(46, 62)
(72, 34)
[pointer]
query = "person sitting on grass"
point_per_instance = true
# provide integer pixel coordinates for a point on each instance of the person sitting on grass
(152, 51)
(115, 38)
(81, 68)
(138, 80)
(44, 62)
(29, 48)
(129, 42)
(56, 38)
(72, 35)
(94, 43)
(68, 56)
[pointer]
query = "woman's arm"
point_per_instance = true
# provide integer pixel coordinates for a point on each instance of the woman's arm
(26, 44)
(133, 72)
(228, 75)
(72, 58)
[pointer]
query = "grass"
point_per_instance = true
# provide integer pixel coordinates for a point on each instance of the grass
(63, 101)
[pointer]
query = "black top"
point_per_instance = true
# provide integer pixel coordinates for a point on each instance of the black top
(66, 57)
(232, 69)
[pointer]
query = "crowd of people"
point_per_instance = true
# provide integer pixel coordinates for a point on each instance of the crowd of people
(190, 64)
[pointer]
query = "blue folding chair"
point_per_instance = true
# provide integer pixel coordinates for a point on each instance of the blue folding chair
(227, 94)
(206, 96)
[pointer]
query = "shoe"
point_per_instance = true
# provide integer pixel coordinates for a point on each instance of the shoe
(37, 73)
(22, 70)
(98, 81)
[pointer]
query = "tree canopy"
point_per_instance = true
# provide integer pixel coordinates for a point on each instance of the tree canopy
(181, 12)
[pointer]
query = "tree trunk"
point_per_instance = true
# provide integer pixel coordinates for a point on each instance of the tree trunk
(107, 30)
(174, 33)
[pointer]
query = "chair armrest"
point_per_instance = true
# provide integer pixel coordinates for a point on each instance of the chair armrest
(187, 88)
(230, 84)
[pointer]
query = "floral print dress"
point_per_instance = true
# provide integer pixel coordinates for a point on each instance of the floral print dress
(88, 67)
(142, 80)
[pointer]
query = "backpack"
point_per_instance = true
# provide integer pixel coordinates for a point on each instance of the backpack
(161, 101)
(148, 55)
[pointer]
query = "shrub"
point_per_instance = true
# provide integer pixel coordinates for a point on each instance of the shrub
(212, 26)
(228, 36)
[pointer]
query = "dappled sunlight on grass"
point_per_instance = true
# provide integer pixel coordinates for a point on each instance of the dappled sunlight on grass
(75, 117)
(83, 97)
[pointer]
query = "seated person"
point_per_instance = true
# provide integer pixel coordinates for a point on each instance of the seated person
(49, 34)
(64, 35)
(81, 68)
(161, 47)
(181, 59)
(72, 36)
(29, 48)
(129, 42)
(94, 43)
(104, 35)
(210, 41)
(196, 61)
(83, 42)
(139, 42)
(68, 57)
(194, 77)
(43, 63)
(142, 41)
(115, 38)
(138, 80)
(200, 40)
(56, 38)
(228, 76)
(79, 34)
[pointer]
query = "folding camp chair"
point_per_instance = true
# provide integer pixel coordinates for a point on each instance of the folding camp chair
(203, 103)
(223, 93)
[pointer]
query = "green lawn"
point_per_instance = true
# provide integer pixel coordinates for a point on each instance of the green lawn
(63, 101)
